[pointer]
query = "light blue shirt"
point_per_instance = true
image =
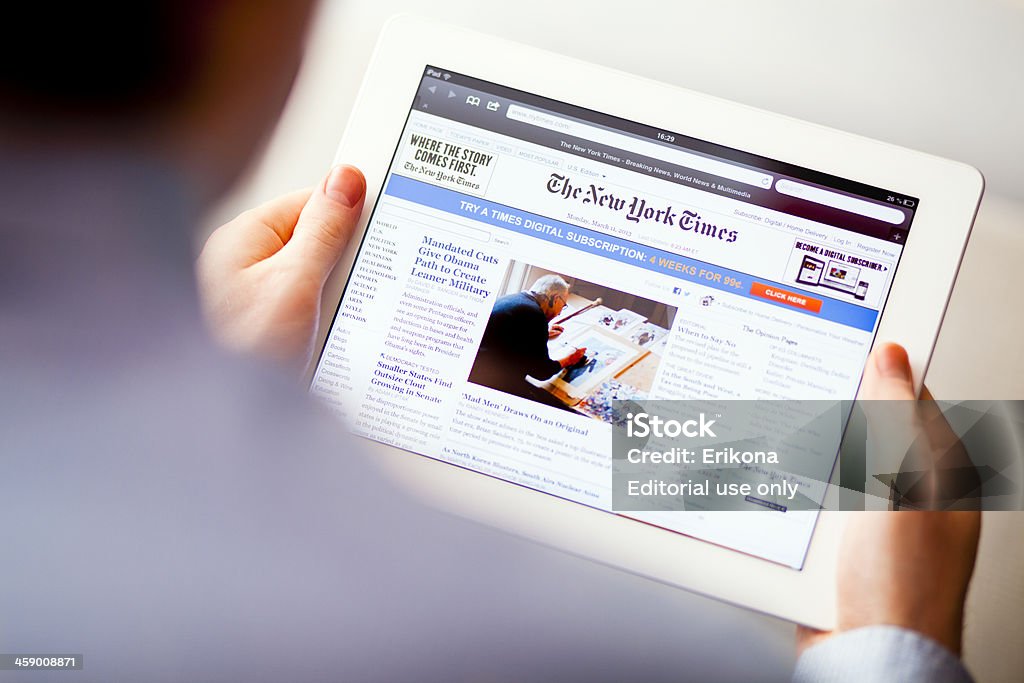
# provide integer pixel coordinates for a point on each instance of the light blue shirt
(879, 653)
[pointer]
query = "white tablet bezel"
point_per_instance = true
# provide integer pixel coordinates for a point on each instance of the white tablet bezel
(949, 193)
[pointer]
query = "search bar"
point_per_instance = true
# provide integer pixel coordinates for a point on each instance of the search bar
(840, 201)
(628, 144)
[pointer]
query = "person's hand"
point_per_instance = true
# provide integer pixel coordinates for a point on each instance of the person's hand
(911, 568)
(554, 331)
(574, 357)
(261, 276)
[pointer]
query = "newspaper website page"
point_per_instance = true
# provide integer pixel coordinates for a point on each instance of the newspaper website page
(530, 262)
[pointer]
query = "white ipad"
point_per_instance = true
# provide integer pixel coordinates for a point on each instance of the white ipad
(523, 206)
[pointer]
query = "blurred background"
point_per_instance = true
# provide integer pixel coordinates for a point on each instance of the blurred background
(940, 76)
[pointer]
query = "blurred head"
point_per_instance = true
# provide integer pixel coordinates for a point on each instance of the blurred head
(550, 291)
(199, 82)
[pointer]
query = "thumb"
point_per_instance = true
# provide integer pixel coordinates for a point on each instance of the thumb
(887, 374)
(327, 221)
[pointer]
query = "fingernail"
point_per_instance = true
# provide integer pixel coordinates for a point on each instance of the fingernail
(345, 185)
(891, 361)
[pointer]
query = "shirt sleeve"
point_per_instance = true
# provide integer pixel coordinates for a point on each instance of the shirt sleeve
(880, 653)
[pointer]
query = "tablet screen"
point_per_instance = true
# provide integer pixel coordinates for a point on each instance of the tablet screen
(529, 261)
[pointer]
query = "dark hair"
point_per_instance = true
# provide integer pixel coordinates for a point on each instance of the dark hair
(82, 60)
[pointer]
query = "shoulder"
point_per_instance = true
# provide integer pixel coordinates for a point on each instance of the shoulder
(518, 303)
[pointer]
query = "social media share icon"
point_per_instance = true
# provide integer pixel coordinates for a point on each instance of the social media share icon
(473, 101)
(707, 300)
(493, 106)
(677, 290)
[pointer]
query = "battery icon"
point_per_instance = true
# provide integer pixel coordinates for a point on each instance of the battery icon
(908, 203)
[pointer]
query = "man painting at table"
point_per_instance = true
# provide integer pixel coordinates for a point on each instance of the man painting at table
(515, 341)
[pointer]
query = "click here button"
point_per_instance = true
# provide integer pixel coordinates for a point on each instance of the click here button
(783, 296)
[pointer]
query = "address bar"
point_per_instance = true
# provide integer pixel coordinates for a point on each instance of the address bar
(628, 144)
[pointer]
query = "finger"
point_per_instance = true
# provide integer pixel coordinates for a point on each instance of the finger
(254, 235)
(935, 470)
(327, 221)
(887, 375)
(281, 214)
(958, 481)
(891, 412)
